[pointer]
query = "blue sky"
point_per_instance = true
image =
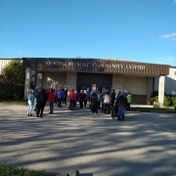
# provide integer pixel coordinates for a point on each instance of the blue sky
(136, 30)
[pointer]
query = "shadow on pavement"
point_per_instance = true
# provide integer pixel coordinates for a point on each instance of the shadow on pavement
(143, 144)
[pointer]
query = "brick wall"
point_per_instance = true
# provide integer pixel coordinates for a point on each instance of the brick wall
(139, 99)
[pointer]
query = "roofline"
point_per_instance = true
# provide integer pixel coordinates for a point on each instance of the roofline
(93, 59)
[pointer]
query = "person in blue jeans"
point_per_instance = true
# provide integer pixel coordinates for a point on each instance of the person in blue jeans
(30, 102)
(59, 97)
(122, 103)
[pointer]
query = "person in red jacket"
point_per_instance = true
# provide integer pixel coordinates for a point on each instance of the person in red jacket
(72, 97)
(51, 99)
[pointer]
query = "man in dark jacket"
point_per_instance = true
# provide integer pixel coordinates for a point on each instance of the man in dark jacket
(41, 102)
(122, 105)
(112, 96)
(82, 96)
(94, 102)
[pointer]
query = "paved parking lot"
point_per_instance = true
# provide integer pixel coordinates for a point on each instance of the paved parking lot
(144, 144)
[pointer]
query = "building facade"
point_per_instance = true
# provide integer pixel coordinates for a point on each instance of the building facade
(137, 78)
(140, 79)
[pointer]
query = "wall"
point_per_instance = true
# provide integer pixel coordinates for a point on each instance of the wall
(4, 62)
(136, 85)
(170, 81)
(54, 79)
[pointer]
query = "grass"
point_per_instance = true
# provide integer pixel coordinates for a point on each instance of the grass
(14, 171)
(159, 110)
(13, 101)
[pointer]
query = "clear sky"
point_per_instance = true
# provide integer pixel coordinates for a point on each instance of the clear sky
(137, 30)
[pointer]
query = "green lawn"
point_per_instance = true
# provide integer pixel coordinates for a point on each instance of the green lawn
(159, 110)
(14, 171)
(14, 101)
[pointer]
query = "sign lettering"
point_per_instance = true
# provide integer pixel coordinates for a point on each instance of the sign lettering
(92, 64)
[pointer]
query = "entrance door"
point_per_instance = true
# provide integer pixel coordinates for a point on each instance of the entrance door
(104, 88)
(86, 80)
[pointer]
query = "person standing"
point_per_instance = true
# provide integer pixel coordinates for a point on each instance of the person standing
(122, 105)
(72, 97)
(59, 97)
(41, 102)
(100, 96)
(82, 96)
(65, 94)
(94, 103)
(115, 108)
(86, 98)
(112, 96)
(35, 99)
(106, 102)
(30, 102)
(51, 99)
(129, 101)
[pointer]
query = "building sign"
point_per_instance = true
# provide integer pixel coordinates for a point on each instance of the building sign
(98, 65)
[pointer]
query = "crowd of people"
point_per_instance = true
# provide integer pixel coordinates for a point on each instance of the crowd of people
(105, 102)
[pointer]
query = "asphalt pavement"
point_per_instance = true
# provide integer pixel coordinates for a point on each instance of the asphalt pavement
(144, 144)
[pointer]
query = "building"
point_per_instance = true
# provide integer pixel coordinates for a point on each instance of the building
(140, 79)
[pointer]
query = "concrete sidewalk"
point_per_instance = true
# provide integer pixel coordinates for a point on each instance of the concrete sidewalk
(144, 144)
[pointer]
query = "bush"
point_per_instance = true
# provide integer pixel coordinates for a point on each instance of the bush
(6, 90)
(173, 101)
(153, 99)
(11, 91)
(167, 101)
(18, 91)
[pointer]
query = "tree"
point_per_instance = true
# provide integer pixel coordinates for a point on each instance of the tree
(13, 73)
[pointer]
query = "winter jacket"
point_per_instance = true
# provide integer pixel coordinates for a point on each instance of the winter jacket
(51, 97)
(42, 97)
(122, 101)
(129, 98)
(31, 97)
(60, 94)
(72, 96)
(106, 99)
(82, 96)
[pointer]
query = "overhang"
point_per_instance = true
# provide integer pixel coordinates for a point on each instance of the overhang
(96, 65)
